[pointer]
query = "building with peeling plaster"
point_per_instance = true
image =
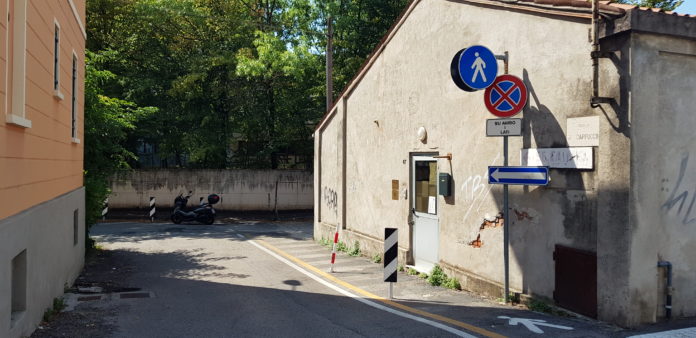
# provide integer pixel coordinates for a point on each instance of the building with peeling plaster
(622, 195)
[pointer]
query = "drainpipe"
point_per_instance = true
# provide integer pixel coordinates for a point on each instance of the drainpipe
(595, 49)
(668, 300)
(595, 100)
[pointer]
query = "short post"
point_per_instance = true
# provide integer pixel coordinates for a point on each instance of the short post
(106, 208)
(391, 257)
(152, 209)
(333, 251)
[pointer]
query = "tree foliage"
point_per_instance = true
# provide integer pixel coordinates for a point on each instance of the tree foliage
(237, 83)
(107, 124)
(667, 5)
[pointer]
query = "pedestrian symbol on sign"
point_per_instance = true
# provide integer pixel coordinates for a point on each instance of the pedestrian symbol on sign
(479, 64)
(474, 68)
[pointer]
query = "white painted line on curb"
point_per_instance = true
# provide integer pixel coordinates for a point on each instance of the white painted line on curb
(356, 297)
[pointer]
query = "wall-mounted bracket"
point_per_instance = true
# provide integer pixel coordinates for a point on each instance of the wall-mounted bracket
(448, 156)
(596, 101)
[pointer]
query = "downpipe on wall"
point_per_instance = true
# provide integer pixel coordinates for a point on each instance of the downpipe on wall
(668, 294)
(596, 53)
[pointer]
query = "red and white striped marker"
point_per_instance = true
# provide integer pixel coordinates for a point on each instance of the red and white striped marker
(333, 251)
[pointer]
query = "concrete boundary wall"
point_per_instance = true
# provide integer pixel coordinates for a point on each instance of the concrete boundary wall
(238, 189)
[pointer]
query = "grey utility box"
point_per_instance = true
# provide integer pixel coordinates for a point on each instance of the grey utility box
(445, 184)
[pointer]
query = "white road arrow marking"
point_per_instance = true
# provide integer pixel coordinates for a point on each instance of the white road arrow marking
(498, 175)
(532, 324)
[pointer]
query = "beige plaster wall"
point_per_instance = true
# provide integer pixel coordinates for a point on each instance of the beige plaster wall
(328, 186)
(663, 173)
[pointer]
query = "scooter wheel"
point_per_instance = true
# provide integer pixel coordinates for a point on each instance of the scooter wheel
(210, 220)
(177, 219)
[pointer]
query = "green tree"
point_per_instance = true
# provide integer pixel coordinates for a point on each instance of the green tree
(107, 122)
(237, 83)
(667, 5)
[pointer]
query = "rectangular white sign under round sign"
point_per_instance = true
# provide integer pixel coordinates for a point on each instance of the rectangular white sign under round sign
(504, 127)
(569, 158)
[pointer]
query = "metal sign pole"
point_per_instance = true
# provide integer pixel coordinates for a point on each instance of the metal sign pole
(506, 226)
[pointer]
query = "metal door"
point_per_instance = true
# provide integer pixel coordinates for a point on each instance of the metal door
(576, 280)
(425, 210)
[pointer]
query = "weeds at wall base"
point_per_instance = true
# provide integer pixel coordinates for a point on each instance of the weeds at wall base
(58, 306)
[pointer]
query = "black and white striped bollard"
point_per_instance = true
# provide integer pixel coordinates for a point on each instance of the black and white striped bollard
(152, 209)
(106, 208)
(391, 253)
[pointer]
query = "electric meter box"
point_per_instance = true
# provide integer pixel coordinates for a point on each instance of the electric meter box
(445, 184)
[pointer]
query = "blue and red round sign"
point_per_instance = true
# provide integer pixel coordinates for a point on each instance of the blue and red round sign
(506, 97)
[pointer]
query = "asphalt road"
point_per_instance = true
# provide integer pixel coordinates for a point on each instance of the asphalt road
(246, 280)
(208, 282)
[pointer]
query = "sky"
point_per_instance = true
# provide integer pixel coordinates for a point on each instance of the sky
(688, 7)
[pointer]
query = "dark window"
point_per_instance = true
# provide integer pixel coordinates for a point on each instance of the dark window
(19, 287)
(74, 96)
(56, 58)
(76, 227)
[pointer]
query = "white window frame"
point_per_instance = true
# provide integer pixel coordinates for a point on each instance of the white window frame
(16, 113)
(56, 61)
(74, 125)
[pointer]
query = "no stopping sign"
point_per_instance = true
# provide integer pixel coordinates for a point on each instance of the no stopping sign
(506, 97)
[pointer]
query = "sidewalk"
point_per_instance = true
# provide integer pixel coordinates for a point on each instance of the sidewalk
(450, 307)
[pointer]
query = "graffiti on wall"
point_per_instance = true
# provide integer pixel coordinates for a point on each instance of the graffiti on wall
(679, 197)
(475, 189)
(330, 198)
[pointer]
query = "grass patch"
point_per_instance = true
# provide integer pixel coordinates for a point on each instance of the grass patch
(377, 258)
(423, 275)
(58, 306)
(356, 249)
(325, 242)
(401, 268)
(539, 306)
(412, 271)
(341, 247)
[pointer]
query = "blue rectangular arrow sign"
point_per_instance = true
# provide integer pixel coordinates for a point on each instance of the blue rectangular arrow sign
(518, 175)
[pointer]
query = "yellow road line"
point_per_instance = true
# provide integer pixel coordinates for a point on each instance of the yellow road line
(378, 298)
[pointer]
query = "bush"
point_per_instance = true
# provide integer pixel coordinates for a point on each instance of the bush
(437, 276)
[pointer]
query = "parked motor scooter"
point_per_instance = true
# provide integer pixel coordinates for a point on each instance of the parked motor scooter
(204, 213)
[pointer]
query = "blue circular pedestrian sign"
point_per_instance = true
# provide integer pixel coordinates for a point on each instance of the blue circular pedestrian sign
(474, 68)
